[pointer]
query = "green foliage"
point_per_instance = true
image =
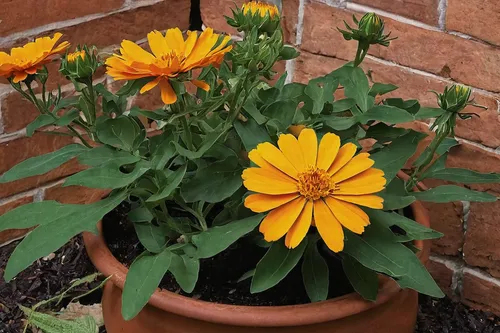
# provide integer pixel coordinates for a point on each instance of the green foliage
(315, 273)
(362, 279)
(51, 324)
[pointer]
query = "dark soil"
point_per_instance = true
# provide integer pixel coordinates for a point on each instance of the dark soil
(43, 280)
(219, 275)
(446, 316)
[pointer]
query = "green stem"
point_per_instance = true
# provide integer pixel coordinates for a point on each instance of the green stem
(187, 133)
(199, 217)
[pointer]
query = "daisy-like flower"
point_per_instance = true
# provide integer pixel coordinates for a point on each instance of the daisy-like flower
(28, 59)
(71, 57)
(303, 185)
(171, 56)
(262, 8)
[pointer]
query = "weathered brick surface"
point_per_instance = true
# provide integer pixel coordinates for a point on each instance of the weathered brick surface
(483, 236)
(481, 293)
(213, 12)
(421, 10)
(22, 15)
(74, 194)
(17, 112)
(133, 24)
(442, 274)
(8, 235)
(481, 21)
(447, 219)
(476, 63)
(15, 151)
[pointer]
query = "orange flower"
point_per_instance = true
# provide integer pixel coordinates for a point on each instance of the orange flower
(28, 59)
(303, 185)
(171, 56)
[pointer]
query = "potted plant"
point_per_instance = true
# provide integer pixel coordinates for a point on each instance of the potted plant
(243, 180)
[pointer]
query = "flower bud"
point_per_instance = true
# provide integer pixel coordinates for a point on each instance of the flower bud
(370, 31)
(81, 64)
(266, 17)
(371, 24)
(454, 98)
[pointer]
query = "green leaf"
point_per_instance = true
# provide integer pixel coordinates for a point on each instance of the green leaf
(162, 150)
(275, 265)
(68, 117)
(426, 113)
(464, 176)
(40, 121)
(315, 274)
(355, 85)
(65, 102)
(174, 180)
(412, 105)
(343, 105)
(51, 324)
(339, 123)
(252, 110)
(321, 90)
(209, 140)
(362, 279)
(57, 224)
(132, 87)
(143, 278)
(246, 276)
(213, 183)
(395, 195)
(446, 145)
(120, 132)
(217, 239)
(419, 279)
(185, 270)
(42, 164)
(107, 176)
(383, 132)
(282, 112)
(289, 53)
(450, 193)
(104, 155)
(151, 237)
(413, 230)
(251, 134)
(381, 89)
(140, 214)
(392, 158)
(292, 92)
(387, 114)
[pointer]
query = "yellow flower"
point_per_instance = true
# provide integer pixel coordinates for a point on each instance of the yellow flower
(302, 184)
(171, 56)
(28, 59)
(71, 57)
(262, 8)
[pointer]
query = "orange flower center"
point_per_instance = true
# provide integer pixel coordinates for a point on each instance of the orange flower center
(315, 183)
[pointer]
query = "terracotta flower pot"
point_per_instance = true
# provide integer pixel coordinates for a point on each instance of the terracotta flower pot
(394, 311)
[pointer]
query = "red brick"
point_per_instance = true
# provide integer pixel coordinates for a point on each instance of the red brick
(74, 194)
(290, 14)
(21, 15)
(447, 219)
(17, 112)
(9, 235)
(133, 24)
(480, 293)
(483, 236)
(475, 63)
(482, 18)
(309, 66)
(420, 10)
(442, 274)
(13, 152)
(213, 12)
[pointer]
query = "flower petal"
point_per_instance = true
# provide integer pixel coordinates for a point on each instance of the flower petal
(274, 156)
(277, 223)
(356, 165)
(349, 215)
(328, 226)
(308, 142)
(300, 227)
(266, 175)
(168, 95)
(367, 182)
(150, 85)
(346, 152)
(157, 43)
(328, 149)
(201, 84)
(19, 76)
(290, 147)
(367, 200)
(260, 203)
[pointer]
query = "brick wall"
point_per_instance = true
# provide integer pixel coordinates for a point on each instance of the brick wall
(103, 23)
(437, 46)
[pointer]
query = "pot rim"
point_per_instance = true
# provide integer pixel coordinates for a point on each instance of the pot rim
(256, 316)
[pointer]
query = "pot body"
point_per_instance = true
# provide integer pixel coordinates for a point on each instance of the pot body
(394, 311)
(397, 315)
